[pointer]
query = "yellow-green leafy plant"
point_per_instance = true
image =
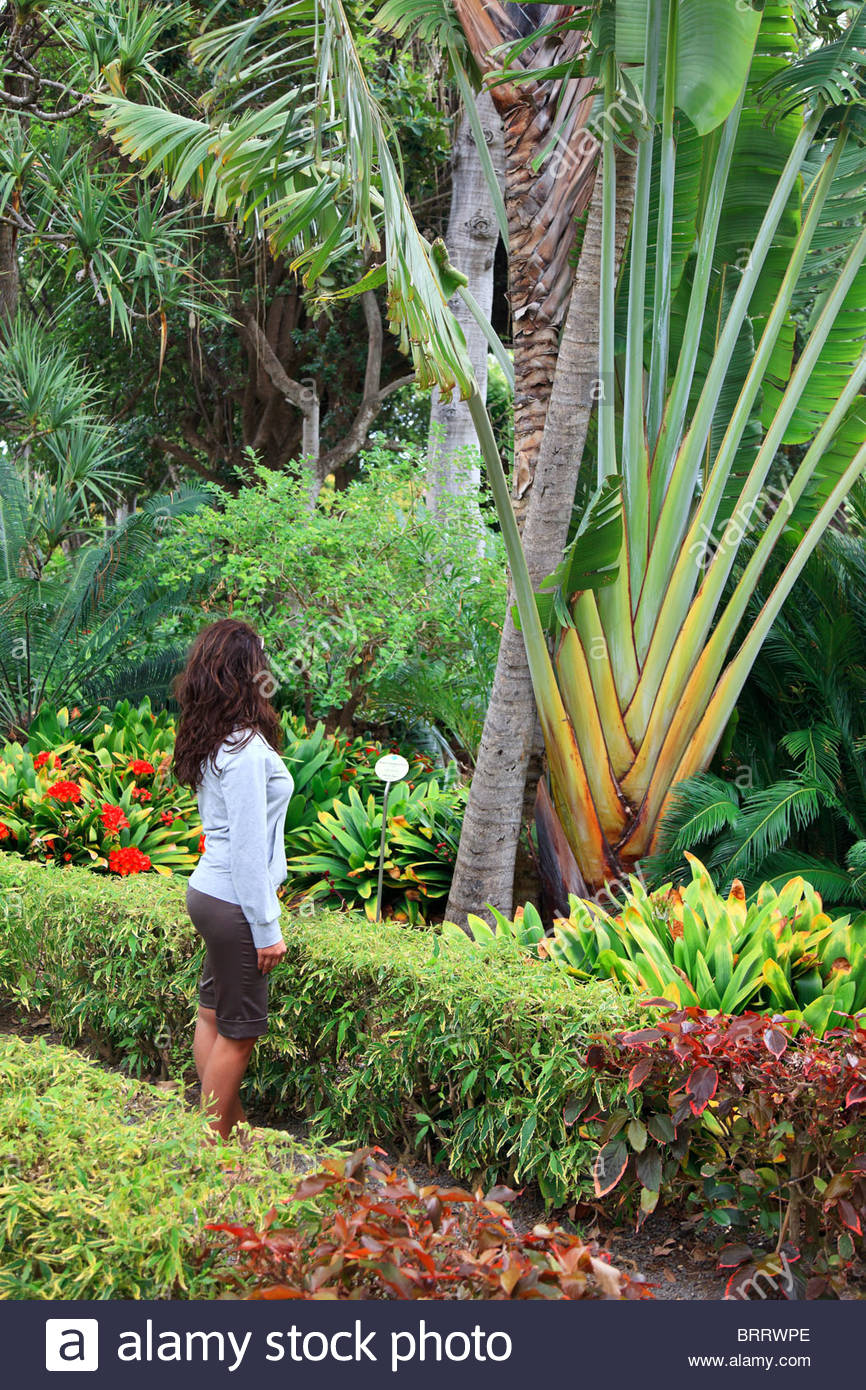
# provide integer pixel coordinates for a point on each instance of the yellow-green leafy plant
(779, 953)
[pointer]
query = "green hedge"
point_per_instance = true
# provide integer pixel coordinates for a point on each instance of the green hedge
(377, 1032)
(106, 1184)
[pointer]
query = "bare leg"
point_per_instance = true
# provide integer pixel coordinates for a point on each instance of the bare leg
(205, 1037)
(223, 1074)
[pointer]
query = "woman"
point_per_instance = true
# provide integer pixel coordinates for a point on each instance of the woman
(227, 751)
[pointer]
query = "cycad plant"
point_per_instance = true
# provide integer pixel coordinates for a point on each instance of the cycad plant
(736, 224)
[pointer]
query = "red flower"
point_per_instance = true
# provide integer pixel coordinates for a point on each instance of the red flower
(201, 843)
(128, 861)
(140, 768)
(5, 832)
(66, 858)
(140, 794)
(65, 792)
(113, 817)
(166, 817)
(42, 758)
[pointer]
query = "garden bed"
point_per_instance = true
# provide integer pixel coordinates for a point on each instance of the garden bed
(378, 1032)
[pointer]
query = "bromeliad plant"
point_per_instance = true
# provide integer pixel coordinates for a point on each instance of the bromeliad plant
(339, 855)
(779, 953)
(325, 766)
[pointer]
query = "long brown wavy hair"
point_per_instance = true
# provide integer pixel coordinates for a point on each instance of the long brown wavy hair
(222, 687)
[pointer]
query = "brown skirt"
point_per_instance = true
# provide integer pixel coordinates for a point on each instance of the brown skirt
(231, 983)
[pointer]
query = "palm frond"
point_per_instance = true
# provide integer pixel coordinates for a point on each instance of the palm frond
(832, 72)
(313, 168)
(768, 816)
(698, 810)
(829, 879)
(817, 748)
(856, 861)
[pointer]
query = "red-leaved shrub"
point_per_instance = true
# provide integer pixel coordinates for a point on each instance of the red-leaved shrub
(764, 1132)
(381, 1235)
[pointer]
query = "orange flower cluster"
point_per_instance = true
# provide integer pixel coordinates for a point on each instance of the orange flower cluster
(113, 817)
(65, 792)
(128, 861)
(140, 768)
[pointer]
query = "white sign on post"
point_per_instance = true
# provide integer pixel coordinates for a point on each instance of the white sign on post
(390, 768)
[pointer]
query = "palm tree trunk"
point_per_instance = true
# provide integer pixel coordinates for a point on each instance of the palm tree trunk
(471, 240)
(484, 872)
(8, 272)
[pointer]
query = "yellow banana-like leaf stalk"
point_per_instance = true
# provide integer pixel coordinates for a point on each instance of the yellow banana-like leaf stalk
(643, 679)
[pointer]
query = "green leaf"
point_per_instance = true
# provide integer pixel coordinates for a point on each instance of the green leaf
(637, 1135)
(715, 42)
(592, 559)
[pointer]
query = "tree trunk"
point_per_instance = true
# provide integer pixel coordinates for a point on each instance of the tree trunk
(484, 872)
(549, 171)
(471, 240)
(8, 272)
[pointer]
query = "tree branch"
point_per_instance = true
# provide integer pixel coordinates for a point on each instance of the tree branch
(372, 397)
(292, 390)
(397, 385)
(186, 457)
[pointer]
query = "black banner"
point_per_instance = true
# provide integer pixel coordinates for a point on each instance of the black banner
(372, 1344)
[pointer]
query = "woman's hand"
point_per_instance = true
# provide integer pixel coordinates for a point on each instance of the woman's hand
(269, 956)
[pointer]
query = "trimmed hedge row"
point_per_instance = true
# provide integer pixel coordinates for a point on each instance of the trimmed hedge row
(106, 1184)
(377, 1031)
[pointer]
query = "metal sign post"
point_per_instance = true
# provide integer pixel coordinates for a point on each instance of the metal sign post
(391, 768)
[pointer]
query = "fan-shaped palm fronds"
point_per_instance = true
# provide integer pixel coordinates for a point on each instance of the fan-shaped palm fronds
(796, 764)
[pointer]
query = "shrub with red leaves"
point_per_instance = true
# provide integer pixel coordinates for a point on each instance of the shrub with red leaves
(764, 1131)
(381, 1235)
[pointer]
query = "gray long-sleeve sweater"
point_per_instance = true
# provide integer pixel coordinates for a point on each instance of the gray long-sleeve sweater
(242, 801)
